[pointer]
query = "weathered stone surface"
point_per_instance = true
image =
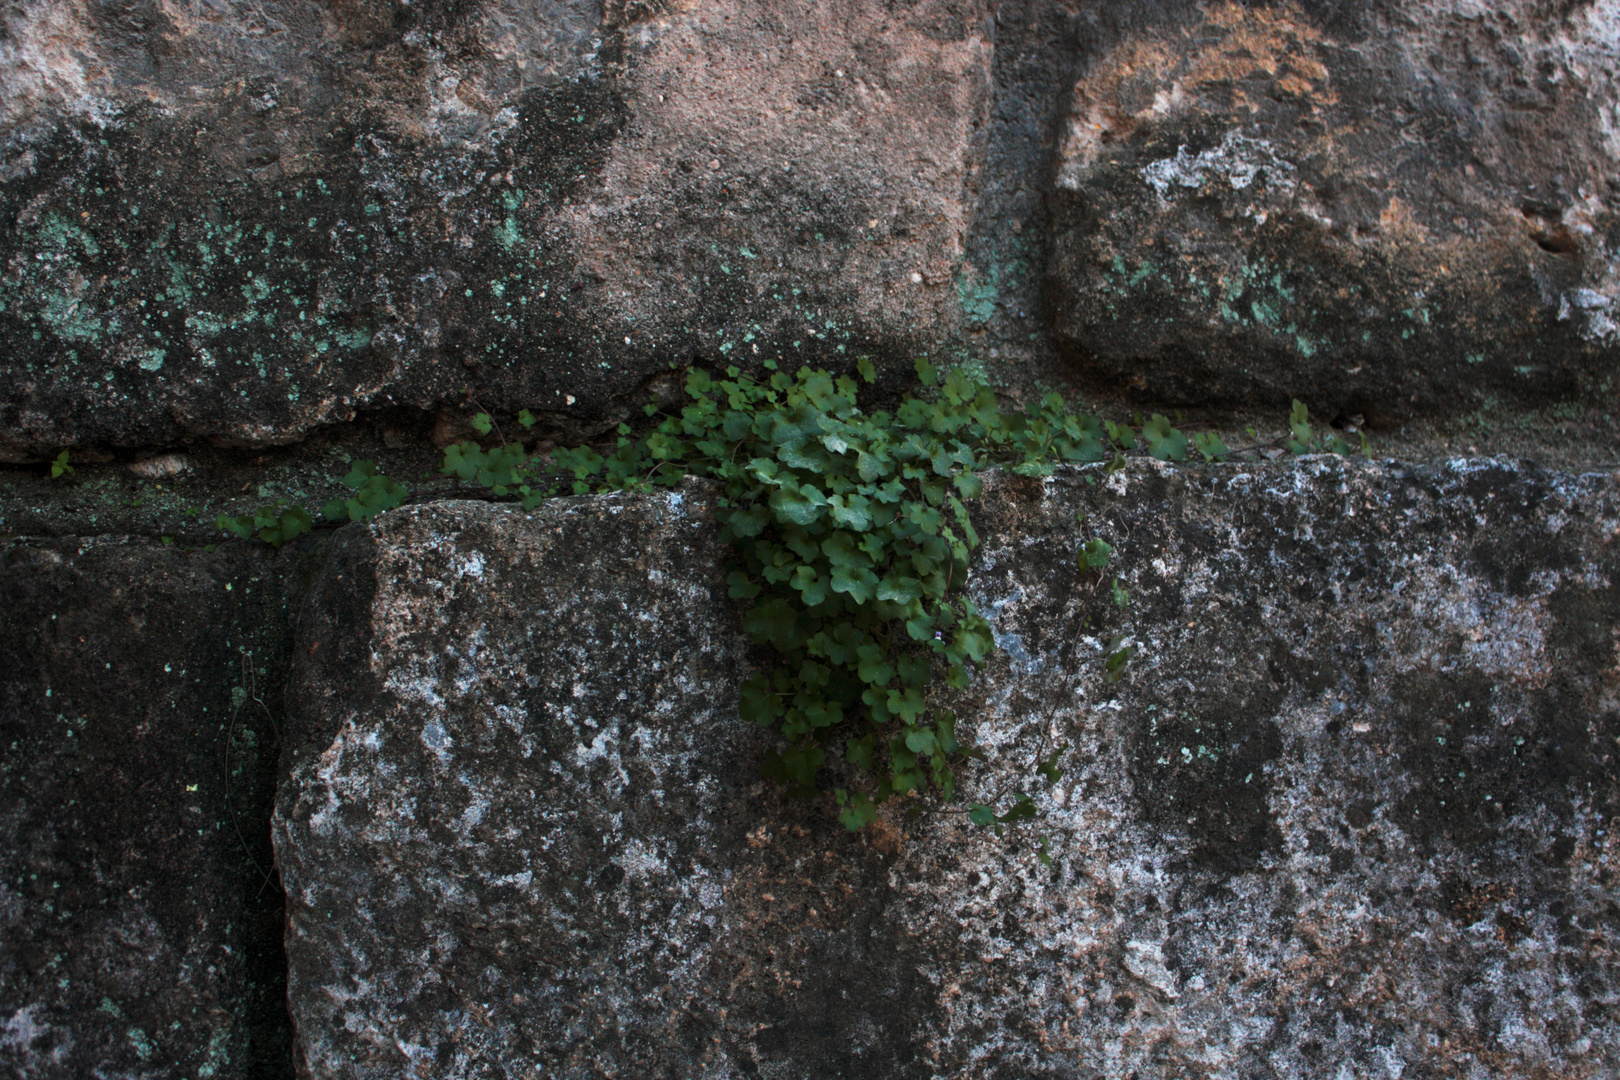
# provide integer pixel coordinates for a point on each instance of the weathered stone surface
(537, 882)
(139, 915)
(1348, 814)
(1380, 208)
(243, 221)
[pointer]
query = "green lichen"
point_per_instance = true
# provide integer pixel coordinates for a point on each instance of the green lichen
(508, 235)
(144, 1047)
(977, 295)
(218, 1055)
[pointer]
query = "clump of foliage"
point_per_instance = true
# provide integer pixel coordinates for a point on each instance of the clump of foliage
(373, 493)
(850, 540)
(274, 525)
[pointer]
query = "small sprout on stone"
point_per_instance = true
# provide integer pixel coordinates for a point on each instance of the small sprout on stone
(1210, 446)
(1163, 441)
(373, 493)
(1114, 662)
(1299, 427)
(272, 525)
(1048, 769)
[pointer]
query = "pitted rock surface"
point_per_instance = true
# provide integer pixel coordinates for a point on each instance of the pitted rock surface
(1385, 209)
(1348, 813)
(243, 222)
(140, 917)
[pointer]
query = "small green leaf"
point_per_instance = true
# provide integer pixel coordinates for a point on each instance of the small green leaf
(1048, 766)
(1163, 441)
(1299, 426)
(975, 638)
(1094, 553)
(798, 504)
(740, 586)
(856, 582)
(1023, 809)
(1114, 664)
(757, 703)
(920, 742)
(1210, 446)
(914, 671)
(359, 472)
(748, 521)
(900, 588)
(858, 811)
(874, 668)
(482, 424)
(811, 585)
(969, 485)
(239, 527)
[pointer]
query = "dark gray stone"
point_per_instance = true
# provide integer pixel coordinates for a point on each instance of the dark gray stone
(140, 916)
(243, 223)
(1349, 812)
(1385, 209)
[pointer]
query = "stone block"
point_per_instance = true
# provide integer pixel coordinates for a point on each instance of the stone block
(1349, 811)
(1385, 209)
(140, 915)
(242, 223)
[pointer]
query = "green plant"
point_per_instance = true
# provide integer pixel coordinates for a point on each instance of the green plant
(60, 466)
(274, 525)
(850, 540)
(1302, 441)
(373, 493)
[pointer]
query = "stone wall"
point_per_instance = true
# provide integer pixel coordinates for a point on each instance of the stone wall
(141, 691)
(239, 223)
(1349, 811)
(1349, 814)
(463, 791)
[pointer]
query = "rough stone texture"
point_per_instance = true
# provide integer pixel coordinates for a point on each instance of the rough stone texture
(535, 885)
(1349, 813)
(140, 920)
(240, 221)
(1380, 208)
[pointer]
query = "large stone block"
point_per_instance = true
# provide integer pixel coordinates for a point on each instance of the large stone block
(1379, 208)
(1349, 812)
(240, 222)
(140, 918)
